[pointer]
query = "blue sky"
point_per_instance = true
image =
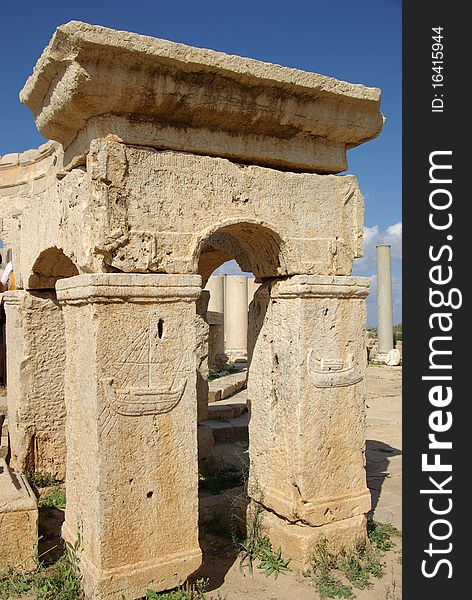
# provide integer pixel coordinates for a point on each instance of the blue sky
(356, 41)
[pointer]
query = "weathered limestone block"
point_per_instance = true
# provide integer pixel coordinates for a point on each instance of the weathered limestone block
(195, 100)
(156, 211)
(35, 363)
(307, 390)
(298, 541)
(216, 340)
(132, 478)
(18, 521)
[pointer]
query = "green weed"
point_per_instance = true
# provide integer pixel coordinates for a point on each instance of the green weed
(217, 373)
(54, 499)
(380, 534)
(191, 590)
(215, 477)
(358, 565)
(258, 547)
(61, 581)
(40, 480)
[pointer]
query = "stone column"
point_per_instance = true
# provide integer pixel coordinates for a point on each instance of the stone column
(384, 302)
(216, 287)
(132, 478)
(236, 316)
(306, 432)
(215, 316)
(35, 364)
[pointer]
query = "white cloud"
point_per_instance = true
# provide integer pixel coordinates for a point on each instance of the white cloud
(395, 230)
(374, 236)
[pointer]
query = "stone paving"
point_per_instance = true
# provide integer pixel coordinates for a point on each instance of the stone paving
(384, 442)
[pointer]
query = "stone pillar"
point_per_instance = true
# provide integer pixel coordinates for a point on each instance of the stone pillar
(132, 477)
(384, 302)
(236, 316)
(35, 364)
(306, 432)
(215, 316)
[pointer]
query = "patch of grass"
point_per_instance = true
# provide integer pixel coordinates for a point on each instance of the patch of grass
(191, 590)
(61, 581)
(358, 564)
(258, 547)
(380, 534)
(215, 477)
(217, 373)
(54, 499)
(40, 480)
(327, 584)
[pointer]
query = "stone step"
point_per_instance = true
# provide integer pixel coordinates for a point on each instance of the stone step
(230, 429)
(224, 387)
(231, 407)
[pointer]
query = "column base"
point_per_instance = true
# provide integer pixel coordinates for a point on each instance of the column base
(380, 358)
(298, 541)
(133, 580)
(318, 512)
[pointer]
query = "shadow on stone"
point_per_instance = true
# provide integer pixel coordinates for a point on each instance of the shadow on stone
(378, 455)
(50, 544)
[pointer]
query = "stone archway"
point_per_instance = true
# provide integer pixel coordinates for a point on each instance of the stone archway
(182, 139)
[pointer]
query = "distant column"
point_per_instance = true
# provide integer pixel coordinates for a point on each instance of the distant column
(384, 301)
(216, 287)
(236, 316)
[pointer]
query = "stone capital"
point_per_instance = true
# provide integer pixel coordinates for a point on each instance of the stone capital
(321, 286)
(128, 287)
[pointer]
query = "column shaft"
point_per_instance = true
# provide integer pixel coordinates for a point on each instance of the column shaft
(384, 301)
(236, 316)
(215, 316)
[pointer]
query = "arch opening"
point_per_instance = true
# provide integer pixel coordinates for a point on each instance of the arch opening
(230, 317)
(255, 247)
